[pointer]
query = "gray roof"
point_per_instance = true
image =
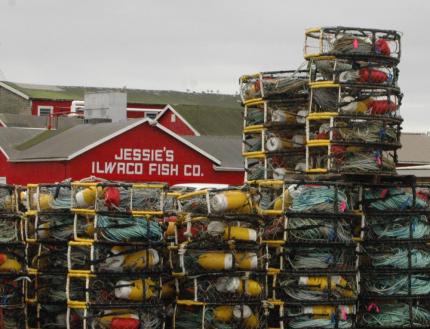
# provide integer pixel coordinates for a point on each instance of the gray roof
(10, 137)
(32, 121)
(227, 149)
(65, 143)
(415, 148)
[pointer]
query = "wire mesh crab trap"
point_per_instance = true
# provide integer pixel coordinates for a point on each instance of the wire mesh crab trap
(12, 287)
(351, 71)
(235, 200)
(8, 199)
(46, 288)
(12, 317)
(47, 227)
(276, 84)
(193, 260)
(355, 99)
(45, 316)
(353, 42)
(149, 317)
(47, 257)
(319, 316)
(11, 228)
(228, 316)
(219, 288)
(217, 230)
(102, 258)
(118, 228)
(48, 197)
(117, 289)
(323, 289)
(276, 114)
(394, 314)
(139, 199)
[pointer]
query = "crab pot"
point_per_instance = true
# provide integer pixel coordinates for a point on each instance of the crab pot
(322, 197)
(354, 130)
(49, 316)
(320, 316)
(171, 202)
(401, 257)
(320, 259)
(276, 84)
(271, 197)
(305, 229)
(117, 289)
(280, 165)
(328, 288)
(253, 141)
(8, 199)
(217, 288)
(352, 71)
(48, 227)
(11, 228)
(153, 317)
(46, 288)
(349, 159)
(119, 228)
(12, 259)
(394, 284)
(13, 317)
(12, 287)
(406, 313)
(396, 227)
(395, 198)
(213, 231)
(231, 316)
(49, 197)
(47, 257)
(113, 197)
(353, 43)
(108, 258)
(194, 260)
(227, 202)
(255, 168)
(355, 99)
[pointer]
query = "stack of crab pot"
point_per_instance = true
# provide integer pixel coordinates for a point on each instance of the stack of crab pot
(48, 228)
(395, 266)
(117, 276)
(12, 261)
(353, 125)
(218, 262)
(276, 104)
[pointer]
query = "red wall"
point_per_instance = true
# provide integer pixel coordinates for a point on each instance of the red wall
(172, 162)
(178, 126)
(59, 106)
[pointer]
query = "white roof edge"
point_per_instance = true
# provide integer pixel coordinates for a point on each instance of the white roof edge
(417, 167)
(169, 107)
(4, 153)
(189, 144)
(13, 90)
(221, 168)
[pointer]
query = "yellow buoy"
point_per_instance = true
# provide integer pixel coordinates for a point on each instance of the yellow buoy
(223, 313)
(45, 200)
(231, 201)
(10, 265)
(136, 290)
(217, 261)
(86, 197)
(246, 260)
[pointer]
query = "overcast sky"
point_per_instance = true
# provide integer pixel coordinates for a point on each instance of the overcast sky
(196, 44)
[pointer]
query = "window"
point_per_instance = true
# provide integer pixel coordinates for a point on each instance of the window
(173, 118)
(151, 115)
(44, 110)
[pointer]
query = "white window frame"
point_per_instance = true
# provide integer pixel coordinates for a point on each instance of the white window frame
(173, 117)
(45, 107)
